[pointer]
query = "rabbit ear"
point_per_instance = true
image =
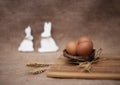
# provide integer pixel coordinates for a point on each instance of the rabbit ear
(28, 30)
(47, 25)
(50, 24)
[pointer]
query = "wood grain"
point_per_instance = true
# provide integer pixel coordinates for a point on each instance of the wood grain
(107, 68)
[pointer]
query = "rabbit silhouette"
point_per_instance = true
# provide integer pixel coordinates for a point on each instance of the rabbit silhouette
(47, 43)
(27, 44)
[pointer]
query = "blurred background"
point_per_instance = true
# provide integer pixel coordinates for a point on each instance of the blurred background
(71, 19)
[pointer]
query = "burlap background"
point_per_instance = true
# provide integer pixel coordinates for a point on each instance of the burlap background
(98, 19)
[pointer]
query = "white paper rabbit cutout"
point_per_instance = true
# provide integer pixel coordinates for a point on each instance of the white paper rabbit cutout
(47, 42)
(27, 44)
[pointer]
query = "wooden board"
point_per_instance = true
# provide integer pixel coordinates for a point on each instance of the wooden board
(108, 68)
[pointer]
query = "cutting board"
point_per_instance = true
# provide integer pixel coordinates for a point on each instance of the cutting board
(108, 68)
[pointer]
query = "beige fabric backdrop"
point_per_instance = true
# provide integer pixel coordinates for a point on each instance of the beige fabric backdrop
(98, 19)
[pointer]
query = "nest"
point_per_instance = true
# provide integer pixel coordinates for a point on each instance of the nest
(79, 58)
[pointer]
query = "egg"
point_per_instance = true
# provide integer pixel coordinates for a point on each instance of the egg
(84, 39)
(71, 47)
(85, 46)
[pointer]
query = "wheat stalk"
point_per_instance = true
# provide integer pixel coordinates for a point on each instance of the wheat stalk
(35, 64)
(38, 71)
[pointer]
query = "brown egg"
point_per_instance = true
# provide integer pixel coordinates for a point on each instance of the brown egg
(85, 46)
(71, 47)
(84, 39)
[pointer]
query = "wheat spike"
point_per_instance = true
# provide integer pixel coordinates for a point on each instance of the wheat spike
(38, 71)
(37, 64)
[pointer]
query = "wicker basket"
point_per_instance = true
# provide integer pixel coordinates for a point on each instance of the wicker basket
(79, 58)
